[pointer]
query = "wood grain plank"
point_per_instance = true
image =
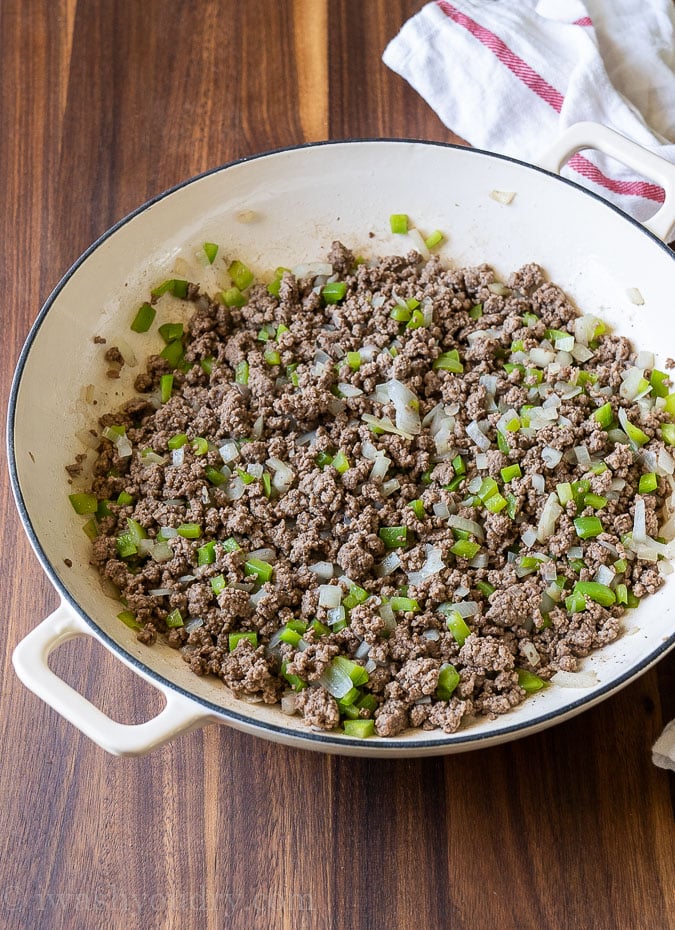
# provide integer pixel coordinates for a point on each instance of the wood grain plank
(366, 98)
(310, 31)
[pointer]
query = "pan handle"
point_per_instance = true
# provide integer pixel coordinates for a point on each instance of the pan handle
(30, 660)
(588, 135)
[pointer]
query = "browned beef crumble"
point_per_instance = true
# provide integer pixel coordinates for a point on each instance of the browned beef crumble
(294, 411)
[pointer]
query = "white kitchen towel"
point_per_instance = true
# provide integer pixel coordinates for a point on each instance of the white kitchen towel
(663, 750)
(510, 75)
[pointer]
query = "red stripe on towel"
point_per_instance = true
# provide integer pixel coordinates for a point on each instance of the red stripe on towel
(540, 86)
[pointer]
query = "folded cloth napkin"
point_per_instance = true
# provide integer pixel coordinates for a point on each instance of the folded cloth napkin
(663, 750)
(510, 75)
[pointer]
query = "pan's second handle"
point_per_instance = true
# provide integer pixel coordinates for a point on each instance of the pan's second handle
(594, 136)
(32, 666)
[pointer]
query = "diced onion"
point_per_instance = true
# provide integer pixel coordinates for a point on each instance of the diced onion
(583, 456)
(581, 353)
(529, 650)
(229, 451)
(336, 680)
(550, 457)
(126, 352)
(362, 651)
(463, 608)
(474, 432)
(311, 269)
(349, 390)
(500, 289)
(283, 474)
(380, 467)
(548, 571)
(330, 595)
(123, 446)
(575, 679)
(441, 510)
(504, 197)
(178, 456)
(234, 488)
(335, 615)
(323, 570)
(630, 386)
(419, 242)
(665, 464)
(541, 357)
(161, 551)
(635, 296)
(482, 461)
(265, 555)
(403, 399)
(388, 565)
(585, 327)
(385, 424)
(644, 360)
(639, 521)
(529, 537)
(256, 597)
(604, 575)
(433, 564)
(549, 517)
(390, 487)
(369, 451)
(538, 482)
(288, 703)
(468, 526)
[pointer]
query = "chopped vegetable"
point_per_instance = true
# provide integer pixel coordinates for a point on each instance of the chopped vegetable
(189, 530)
(262, 570)
(449, 361)
(399, 222)
(84, 503)
(361, 729)
(210, 250)
(587, 527)
(457, 626)
(144, 318)
(165, 388)
(393, 536)
(648, 483)
(334, 292)
(465, 549)
(510, 472)
(175, 286)
(600, 593)
(235, 638)
(241, 276)
(530, 682)
(174, 619)
(448, 679)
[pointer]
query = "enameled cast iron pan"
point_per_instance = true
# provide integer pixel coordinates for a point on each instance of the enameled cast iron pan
(284, 208)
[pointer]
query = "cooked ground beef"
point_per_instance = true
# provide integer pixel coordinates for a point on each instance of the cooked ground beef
(356, 490)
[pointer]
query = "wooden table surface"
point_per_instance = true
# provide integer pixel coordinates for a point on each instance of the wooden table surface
(103, 105)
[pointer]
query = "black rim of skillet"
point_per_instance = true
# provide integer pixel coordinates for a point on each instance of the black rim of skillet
(472, 737)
